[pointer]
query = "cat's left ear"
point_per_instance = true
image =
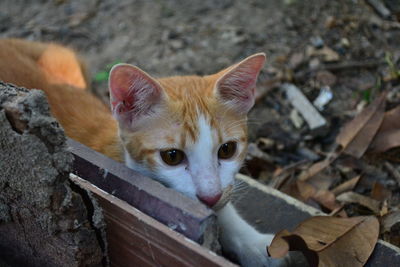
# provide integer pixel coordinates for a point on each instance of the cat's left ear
(236, 86)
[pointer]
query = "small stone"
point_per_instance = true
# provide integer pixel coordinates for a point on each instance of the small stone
(317, 42)
(314, 63)
(330, 22)
(345, 42)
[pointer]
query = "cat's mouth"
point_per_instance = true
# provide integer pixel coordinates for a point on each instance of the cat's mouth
(226, 196)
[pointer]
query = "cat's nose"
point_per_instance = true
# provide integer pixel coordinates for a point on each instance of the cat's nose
(210, 200)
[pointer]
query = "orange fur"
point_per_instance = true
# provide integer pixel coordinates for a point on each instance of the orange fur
(61, 66)
(83, 117)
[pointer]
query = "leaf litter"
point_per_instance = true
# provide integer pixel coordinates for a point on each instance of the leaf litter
(351, 166)
(341, 240)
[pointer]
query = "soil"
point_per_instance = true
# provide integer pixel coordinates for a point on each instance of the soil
(345, 46)
(174, 37)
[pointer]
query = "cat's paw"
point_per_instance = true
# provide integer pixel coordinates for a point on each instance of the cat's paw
(254, 253)
(251, 251)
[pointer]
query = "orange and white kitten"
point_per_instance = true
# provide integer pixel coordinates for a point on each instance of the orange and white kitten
(187, 132)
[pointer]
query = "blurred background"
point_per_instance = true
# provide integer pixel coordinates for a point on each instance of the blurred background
(341, 55)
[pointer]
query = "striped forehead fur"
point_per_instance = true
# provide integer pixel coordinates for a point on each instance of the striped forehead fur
(189, 98)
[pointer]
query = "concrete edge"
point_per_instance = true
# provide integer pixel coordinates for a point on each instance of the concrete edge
(392, 247)
(271, 191)
(299, 205)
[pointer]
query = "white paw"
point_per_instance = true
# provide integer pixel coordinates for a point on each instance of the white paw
(254, 253)
(252, 250)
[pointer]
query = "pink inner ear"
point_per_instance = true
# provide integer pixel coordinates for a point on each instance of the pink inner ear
(132, 92)
(237, 86)
(121, 79)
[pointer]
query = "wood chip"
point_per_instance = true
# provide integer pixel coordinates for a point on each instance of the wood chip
(304, 106)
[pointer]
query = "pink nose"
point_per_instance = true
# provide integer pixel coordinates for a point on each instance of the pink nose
(210, 201)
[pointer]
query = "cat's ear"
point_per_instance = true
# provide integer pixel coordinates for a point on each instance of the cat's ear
(133, 94)
(236, 85)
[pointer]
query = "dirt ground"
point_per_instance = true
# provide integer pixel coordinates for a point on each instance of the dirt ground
(344, 46)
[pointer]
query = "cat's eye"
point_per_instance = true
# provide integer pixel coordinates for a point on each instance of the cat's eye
(172, 157)
(227, 150)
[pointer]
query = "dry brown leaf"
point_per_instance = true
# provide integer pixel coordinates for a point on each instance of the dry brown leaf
(379, 192)
(326, 198)
(329, 241)
(388, 135)
(346, 186)
(339, 212)
(323, 181)
(359, 243)
(352, 197)
(306, 190)
(316, 168)
(356, 136)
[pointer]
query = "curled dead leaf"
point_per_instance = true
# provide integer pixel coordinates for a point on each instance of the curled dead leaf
(329, 241)
(346, 186)
(324, 197)
(352, 197)
(388, 135)
(356, 136)
(391, 227)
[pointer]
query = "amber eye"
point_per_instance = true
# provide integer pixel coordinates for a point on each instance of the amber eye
(172, 157)
(227, 150)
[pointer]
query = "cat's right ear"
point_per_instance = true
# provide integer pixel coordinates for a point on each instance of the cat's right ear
(133, 94)
(236, 85)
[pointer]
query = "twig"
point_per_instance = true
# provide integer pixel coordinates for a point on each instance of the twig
(393, 171)
(340, 66)
(379, 8)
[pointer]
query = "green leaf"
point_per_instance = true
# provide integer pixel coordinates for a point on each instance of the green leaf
(101, 76)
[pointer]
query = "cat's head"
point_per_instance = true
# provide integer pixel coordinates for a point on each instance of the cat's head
(190, 132)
